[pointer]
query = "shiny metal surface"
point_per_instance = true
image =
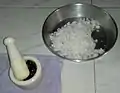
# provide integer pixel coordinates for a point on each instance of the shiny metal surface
(75, 11)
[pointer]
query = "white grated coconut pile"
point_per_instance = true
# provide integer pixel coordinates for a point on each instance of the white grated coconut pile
(74, 40)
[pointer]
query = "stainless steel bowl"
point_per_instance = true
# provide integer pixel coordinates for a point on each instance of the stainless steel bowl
(73, 12)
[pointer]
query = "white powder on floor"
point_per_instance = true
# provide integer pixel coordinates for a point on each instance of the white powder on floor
(74, 40)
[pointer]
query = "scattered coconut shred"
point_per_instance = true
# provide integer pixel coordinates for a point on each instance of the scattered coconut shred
(74, 40)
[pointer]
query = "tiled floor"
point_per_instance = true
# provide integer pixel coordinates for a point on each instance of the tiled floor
(24, 24)
(40, 3)
(23, 19)
(106, 3)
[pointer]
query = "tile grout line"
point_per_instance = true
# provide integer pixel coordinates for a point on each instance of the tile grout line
(94, 77)
(91, 2)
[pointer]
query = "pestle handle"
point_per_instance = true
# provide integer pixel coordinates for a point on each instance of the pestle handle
(18, 64)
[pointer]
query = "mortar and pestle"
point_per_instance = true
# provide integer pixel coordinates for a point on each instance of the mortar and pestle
(25, 72)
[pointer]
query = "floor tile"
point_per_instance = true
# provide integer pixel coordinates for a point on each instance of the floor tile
(25, 25)
(108, 66)
(77, 77)
(106, 3)
(42, 3)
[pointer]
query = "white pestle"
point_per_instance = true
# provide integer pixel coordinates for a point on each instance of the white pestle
(18, 64)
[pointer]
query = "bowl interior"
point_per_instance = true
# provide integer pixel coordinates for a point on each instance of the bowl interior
(69, 13)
